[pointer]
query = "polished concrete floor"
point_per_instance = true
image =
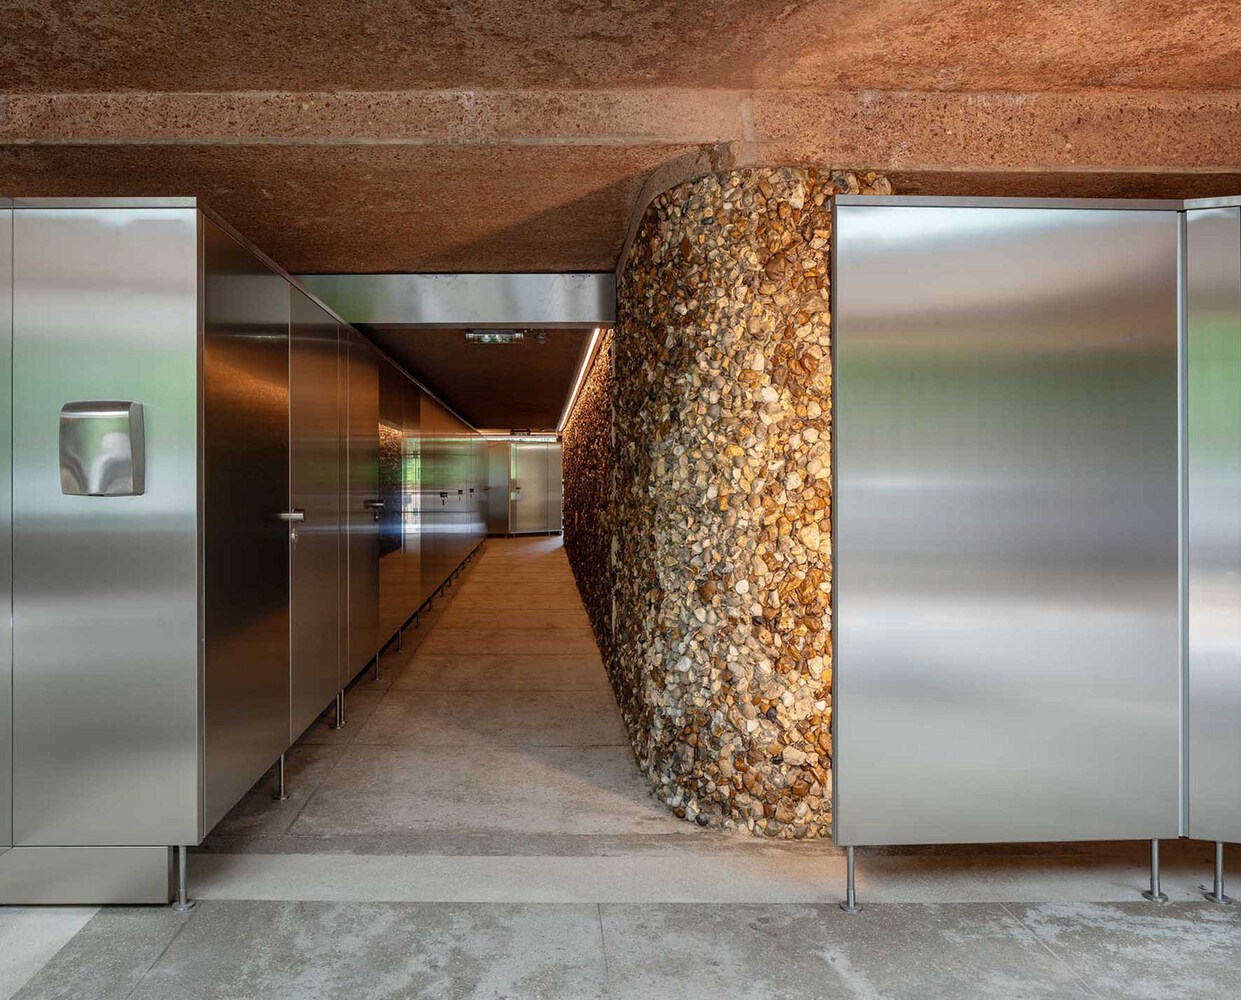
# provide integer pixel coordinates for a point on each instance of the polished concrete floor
(480, 829)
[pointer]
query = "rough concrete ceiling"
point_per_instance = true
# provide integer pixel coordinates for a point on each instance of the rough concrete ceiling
(502, 135)
(377, 45)
(496, 386)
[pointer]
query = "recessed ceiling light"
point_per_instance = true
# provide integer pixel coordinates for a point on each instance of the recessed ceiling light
(494, 336)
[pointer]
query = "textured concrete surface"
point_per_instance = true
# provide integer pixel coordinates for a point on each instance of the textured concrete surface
(228, 950)
(496, 135)
(985, 45)
(30, 936)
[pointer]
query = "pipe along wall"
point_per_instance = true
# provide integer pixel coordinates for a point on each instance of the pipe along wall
(225, 502)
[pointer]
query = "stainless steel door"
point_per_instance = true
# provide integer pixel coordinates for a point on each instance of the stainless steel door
(1213, 551)
(361, 514)
(106, 601)
(246, 544)
(314, 489)
(434, 491)
(399, 542)
(555, 487)
(1006, 551)
(6, 526)
(529, 486)
(497, 487)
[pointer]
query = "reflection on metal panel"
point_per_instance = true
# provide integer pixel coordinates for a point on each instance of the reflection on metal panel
(1006, 526)
(470, 300)
(314, 488)
(65, 876)
(1213, 556)
(6, 525)
(102, 449)
(362, 508)
(497, 487)
(246, 543)
(399, 545)
(106, 678)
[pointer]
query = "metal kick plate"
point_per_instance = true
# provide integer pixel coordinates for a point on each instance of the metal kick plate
(102, 449)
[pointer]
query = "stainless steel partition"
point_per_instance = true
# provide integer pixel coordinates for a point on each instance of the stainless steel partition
(187, 432)
(6, 525)
(1213, 551)
(497, 487)
(105, 588)
(555, 486)
(362, 505)
(1006, 524)
(315, 556)
(400, 542)
(245, 478)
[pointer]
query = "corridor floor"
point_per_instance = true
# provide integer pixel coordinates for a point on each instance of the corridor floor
(480, 829)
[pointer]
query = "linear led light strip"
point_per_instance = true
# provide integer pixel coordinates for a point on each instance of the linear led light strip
(587, 360)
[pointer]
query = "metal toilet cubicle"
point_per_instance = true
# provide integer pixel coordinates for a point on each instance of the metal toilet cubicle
(195, 525)
(525, 486)
(1037, 524)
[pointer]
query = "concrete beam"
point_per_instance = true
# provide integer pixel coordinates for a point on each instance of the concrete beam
(881, 130)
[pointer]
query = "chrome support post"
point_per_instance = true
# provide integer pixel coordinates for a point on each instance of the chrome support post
(398, 646)
(850, 905)
(1216, 895)
(340, 711)
(281, 793)
(183, 903)
(1153, 893)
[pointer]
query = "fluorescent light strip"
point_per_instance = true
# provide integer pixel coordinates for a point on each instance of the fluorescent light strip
(587, 361)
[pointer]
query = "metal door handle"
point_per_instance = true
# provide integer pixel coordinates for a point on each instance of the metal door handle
(292, 516)
(373, 504)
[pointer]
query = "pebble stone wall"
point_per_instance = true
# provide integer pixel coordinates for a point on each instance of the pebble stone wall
(717, 630)
(587, 461)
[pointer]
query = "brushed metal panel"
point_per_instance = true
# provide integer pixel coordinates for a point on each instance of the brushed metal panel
(314, 487)
(361, 489)
(6, 526)
(497, 487)
(1213, 549)
(555, 487)
(106, 599)
(85, 876)
(474, 300)
(1006, 548)
(399, 571)
(434, 494)
(529, 491)
(102, 449)
(246, 544)
(411, 484)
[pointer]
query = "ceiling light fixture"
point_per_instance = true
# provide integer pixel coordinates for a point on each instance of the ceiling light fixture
(587, 361)
(494, 336)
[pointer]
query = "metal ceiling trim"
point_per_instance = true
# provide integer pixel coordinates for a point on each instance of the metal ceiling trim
(565, 300)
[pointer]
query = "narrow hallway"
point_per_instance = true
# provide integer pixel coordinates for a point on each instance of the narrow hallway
(493, 728)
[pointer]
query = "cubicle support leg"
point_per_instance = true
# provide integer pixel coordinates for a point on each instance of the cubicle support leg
(339, 722)
(850, 904)
(281, 793)
(1153, 893)
(183, 903)
(1216, 895)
